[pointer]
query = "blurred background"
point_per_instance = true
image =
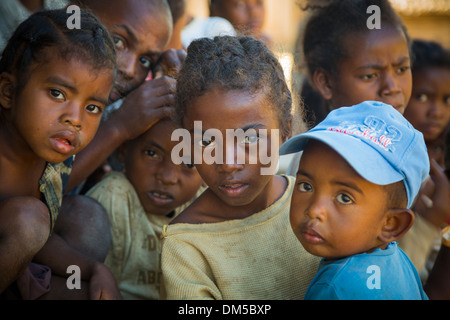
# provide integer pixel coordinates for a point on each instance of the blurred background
(425, 19)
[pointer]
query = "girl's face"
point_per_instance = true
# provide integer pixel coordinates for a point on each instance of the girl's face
(235, 183)
(429, 108)
(377, 68)
(161, 185)
(140, 34)
(335, 213)
(57, 113)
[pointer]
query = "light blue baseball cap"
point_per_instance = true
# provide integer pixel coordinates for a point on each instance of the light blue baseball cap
(376, 140)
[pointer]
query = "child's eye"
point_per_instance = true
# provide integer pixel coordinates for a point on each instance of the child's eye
(119, 43)
(344, 199)
(207, 143)
(151, 153)
(368, 77)
(250, 139)
(92, 108)
(145, 62)
(190, 165)
(55, 93)
(447, 100)
(305, 187)
(403, 69)
(422, 97)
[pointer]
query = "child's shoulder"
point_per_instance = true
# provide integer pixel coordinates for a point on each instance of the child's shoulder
(199, 211)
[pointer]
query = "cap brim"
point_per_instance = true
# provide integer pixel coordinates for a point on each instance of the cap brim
(360, 156)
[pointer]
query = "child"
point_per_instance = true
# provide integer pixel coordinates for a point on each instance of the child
(348, 63)
(352, 215)
(47, 116)
(246, 16)
(151, 191)
(140, 30)
(234, 241)
(429, 107)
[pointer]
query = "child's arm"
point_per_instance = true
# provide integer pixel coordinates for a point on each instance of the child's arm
(58, 255)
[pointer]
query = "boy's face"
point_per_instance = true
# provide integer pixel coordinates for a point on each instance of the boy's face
(377, 68)
(57, 113)
(236, 183)
(140, 33)
(429, 108)
(334, 211)
(160, 184)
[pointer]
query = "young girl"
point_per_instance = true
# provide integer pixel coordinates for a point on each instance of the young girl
(54, 85)
(348, 63)
(234, 241)
(139, 201)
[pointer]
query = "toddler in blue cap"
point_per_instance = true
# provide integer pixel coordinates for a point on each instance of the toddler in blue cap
(359, 173)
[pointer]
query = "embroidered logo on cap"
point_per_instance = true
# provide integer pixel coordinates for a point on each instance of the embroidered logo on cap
(374, 130)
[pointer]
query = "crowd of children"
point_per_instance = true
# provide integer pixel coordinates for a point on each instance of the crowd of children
(88, 179)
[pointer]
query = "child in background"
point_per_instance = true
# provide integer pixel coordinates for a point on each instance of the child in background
(234, 241)
(147, 195)
(429, 107)
(140, 30)
(246, 16)
(47, 116)
(429, 112)
(348, 63)
(352, 216)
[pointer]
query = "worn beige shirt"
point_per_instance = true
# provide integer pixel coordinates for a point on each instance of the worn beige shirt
(134, 255)
(255, 258)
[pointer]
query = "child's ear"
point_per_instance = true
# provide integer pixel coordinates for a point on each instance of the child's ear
(398, 222)
(322, 82)
(7, 85)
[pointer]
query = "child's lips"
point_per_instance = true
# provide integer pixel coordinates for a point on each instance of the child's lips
(160, 198)
(65, 142)
(233, 189)
(311, 235)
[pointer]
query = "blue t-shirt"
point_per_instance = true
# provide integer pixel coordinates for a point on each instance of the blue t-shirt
(381, 275)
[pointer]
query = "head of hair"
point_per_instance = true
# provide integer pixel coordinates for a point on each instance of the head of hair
(234, 63)
(330, 22)
(48, 29)
(428, 54)
(396, 195)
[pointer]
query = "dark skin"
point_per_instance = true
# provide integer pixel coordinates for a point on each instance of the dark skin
(235, 190)
(54, 116)
(141, 35)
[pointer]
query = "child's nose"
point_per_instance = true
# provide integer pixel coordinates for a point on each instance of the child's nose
(317, 209)
(167, 174)
(390, 85)
(72, 116)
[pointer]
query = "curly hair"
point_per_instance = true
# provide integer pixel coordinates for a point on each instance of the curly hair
(429, 54)
(233, 63)
(91, 43)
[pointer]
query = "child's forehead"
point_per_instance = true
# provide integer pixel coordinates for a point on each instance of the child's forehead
(382, 42)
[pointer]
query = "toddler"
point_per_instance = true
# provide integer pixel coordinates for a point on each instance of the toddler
(353, 215)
